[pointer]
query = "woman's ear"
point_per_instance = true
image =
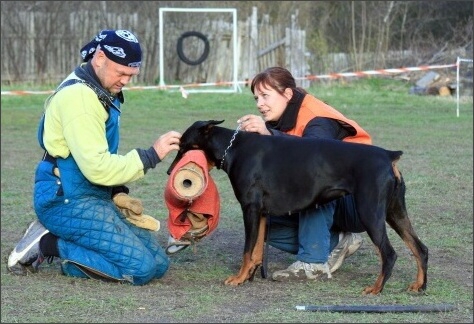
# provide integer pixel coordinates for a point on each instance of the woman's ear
(288, 93)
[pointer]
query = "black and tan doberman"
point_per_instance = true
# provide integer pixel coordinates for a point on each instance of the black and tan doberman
(278, 175)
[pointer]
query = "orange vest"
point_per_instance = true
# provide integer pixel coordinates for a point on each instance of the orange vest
(312, 107)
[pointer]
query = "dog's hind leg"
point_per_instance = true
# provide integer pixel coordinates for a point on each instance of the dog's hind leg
(387, 254)
(397, 218)
(371, 206)
(404, 228)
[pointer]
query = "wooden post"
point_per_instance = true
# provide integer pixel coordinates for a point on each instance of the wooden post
(253, 59)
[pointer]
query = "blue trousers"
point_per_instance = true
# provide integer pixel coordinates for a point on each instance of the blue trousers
(95, 239)
(313, 233)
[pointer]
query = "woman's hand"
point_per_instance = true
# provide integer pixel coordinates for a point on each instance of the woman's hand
(253, 123)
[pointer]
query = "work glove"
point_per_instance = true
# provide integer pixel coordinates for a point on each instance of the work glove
(199, 226)
(132, 209)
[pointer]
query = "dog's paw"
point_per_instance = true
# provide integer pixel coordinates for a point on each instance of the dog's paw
(372, 290)
(233, 281)
(417, 287)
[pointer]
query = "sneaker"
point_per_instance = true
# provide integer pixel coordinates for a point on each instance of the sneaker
(302, 271)
(175, 245)
(27, 253)
(347, 246)
(355, 244)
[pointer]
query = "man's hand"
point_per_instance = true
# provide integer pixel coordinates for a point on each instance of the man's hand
(166, 143)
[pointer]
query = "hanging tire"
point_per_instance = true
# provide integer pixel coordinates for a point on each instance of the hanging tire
(182, 56)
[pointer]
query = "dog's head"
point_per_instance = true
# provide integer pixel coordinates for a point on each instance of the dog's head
(194, 138)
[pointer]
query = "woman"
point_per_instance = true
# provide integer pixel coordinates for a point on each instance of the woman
(313, 236)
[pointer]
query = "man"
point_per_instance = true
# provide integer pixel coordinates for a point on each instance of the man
(82, 178)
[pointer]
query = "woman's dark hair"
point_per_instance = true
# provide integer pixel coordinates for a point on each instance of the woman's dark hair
(277, 78)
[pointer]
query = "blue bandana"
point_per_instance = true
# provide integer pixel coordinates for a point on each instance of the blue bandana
(120, 46)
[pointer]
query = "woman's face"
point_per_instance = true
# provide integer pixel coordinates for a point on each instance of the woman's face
(270, 103)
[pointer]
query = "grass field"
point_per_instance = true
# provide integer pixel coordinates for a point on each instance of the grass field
(437, 165)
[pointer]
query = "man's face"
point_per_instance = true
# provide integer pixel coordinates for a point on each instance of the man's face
(113, 76)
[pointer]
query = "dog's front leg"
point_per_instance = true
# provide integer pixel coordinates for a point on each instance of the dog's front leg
(251, 259)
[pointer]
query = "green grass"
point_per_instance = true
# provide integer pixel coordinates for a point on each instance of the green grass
(437, 165)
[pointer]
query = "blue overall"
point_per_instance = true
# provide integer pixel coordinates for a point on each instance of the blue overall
(95, 239)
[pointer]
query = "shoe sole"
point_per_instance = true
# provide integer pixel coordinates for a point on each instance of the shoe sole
(175, 246)
(351, 249)
(354, 247)
(172, 249)
(338, 263)
(15, 257)
(293, 278)
(17, 269)
(301, 275)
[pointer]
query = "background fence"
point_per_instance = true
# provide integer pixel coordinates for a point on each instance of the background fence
(42, 48)
(39, 50)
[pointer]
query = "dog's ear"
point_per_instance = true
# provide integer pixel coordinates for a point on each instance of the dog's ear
(209, 125)
(205, 126)
(216, 122)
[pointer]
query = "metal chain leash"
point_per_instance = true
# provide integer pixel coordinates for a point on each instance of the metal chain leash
(230, 144)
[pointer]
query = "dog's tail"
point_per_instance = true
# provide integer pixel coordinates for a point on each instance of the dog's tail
(395, 157)
(396, 205)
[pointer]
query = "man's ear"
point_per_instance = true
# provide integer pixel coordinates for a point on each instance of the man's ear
(99, 58)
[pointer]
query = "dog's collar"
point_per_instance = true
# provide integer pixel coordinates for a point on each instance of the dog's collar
(230, 144)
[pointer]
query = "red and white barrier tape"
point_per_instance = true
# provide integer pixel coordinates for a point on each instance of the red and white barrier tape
(227, 83)
(375, 72)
